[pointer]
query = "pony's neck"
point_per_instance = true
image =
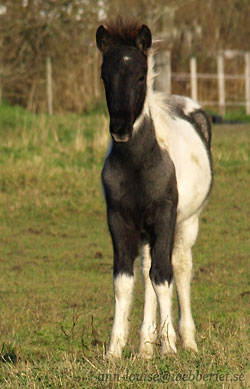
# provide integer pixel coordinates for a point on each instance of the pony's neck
(149, 94)
(155, 108)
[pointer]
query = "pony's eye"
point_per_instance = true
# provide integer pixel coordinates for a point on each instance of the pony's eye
(142, 78)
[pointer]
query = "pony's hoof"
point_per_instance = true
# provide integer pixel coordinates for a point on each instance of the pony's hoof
(112, 357)
(146, 351)
(145, 354)
(190, 346)
(168, 347)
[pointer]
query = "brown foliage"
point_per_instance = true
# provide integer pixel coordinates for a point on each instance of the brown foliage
(31, 30)
(39, 29)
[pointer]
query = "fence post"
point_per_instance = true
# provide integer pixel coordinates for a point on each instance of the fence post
(221, 82)
(247, 81)
(49, 86)
(163, 68)
(193, 76)
(1, 72)
(96, 76)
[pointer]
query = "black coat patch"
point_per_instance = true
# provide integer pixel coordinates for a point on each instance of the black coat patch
(141, 194)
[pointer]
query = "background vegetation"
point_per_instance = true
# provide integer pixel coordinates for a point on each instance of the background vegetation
(56, 297)
(56, 262)
(31, 30)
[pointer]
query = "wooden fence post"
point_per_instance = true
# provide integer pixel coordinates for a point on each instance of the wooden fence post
(1, 72)
(96, 75)
(221, 82)
(247, 81)
(193, 76)
(49, 86)
(163, 68)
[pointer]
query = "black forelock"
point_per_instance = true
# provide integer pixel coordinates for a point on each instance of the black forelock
(123, 31)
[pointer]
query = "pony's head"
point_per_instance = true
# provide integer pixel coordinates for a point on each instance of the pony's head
(124, 47)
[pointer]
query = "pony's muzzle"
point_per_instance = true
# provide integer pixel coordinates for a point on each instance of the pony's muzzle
(120, 138)
(120, 132)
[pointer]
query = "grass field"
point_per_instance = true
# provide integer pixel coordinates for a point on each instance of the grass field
(56, 264)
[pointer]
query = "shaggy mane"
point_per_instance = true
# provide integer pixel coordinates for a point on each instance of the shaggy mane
(123, 31)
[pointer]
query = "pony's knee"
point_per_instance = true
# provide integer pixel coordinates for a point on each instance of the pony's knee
(161, 272)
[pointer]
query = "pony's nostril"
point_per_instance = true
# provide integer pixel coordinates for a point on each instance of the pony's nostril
(120, 132)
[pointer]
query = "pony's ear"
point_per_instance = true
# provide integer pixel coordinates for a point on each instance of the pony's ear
(144, 39)
(103, 39)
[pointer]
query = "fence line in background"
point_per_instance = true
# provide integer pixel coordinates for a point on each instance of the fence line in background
(49, 86)
(163, 68)
(165, 76)
(1, 71)
(193, 75)
(163, 81)
(221, 83)
(247, 81)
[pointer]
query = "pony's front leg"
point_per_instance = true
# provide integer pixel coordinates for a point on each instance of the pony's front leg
(148, 332)
(161, 272)
(167, 333)
(123, 288)
(125, 244)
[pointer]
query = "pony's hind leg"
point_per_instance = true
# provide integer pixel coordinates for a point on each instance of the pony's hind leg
(148, 332)
(182, 265)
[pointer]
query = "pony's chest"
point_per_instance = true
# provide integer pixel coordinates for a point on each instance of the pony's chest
(136, 187)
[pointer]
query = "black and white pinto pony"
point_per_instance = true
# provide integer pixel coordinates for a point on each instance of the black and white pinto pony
(157, 177)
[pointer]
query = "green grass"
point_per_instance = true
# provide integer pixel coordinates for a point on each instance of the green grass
(56, 263)
(232, 116)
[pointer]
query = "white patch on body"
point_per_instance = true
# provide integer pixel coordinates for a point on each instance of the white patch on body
(190, 106)
(184, 145)
(192, 166)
